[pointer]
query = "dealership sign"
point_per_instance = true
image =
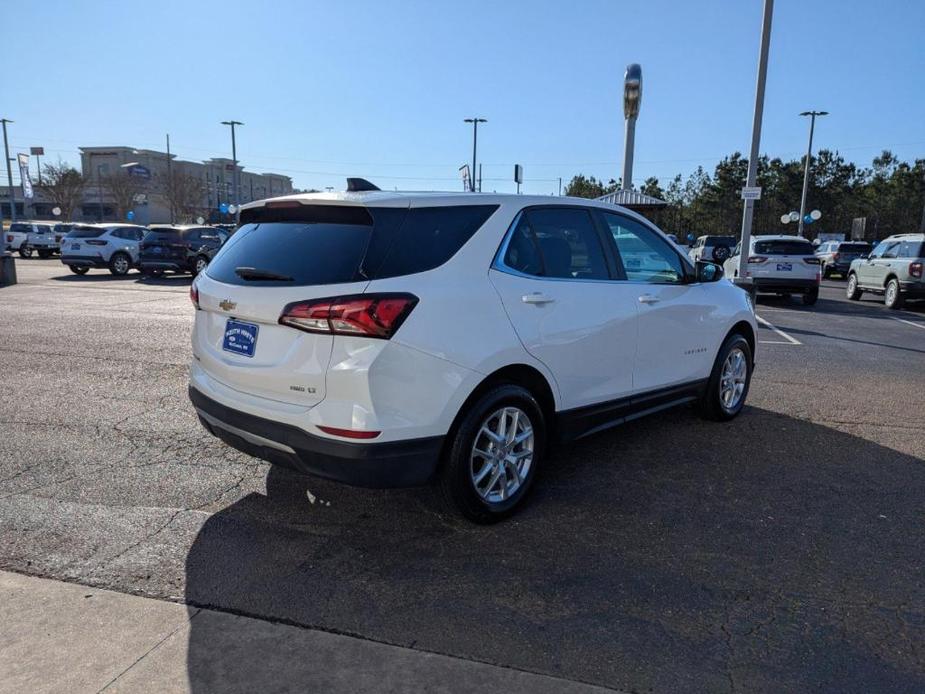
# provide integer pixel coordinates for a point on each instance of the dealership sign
(139, 171)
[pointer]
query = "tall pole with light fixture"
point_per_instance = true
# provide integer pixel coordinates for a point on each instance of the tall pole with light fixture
(632, 99)
(234, 159)
(751, 178)
(809, 154)
(475, 140)
(170, 182)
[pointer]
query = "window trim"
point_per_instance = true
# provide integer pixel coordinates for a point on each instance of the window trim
(499, 264)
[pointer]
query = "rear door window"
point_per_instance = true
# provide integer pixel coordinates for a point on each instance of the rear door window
(559, 242)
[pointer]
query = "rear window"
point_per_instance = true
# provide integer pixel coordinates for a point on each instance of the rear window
(162, 236)
(853, 247)
(21, 228)
(325, 244)
(783, 247)
(720, 241)
(85, 233)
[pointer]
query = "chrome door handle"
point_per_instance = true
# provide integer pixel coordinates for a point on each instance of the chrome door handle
(648, 299)
(536, 299)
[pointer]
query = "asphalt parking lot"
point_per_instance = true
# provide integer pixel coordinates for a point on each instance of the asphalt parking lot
(781, 552)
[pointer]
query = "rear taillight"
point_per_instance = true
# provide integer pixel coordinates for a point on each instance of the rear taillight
(194, 295)
(757, 259)
(96, 242)
(369, 315)
(811, 261)
(9, 239)
(836, 256)
(915, 269)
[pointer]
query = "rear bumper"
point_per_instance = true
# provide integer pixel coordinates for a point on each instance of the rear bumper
(912, 290)
(172, 265)
(379, 465)
(84, 261)
(784, 284)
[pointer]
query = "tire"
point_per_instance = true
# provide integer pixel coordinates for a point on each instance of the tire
(852, 291)
(893, 296)
(119, 264)
(79, 269)
(826, 271)
(45, 254)
(483, 502)
(713, 405)
(720, 253)
(811, 297)
(200, 262)
(25, 251)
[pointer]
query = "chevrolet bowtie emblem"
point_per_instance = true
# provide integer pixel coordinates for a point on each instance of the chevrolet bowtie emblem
(227, 305)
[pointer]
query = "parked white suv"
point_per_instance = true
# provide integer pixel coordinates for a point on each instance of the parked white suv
(112, 246)
(782, 265)
(382, 339)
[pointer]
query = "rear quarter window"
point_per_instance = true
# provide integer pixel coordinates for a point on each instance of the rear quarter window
(426, 239)
(86, 233)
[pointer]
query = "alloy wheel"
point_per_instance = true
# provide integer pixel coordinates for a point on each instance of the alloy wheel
(502, 454)
(733, 378)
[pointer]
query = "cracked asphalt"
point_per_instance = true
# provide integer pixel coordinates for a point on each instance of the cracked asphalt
(780, 552)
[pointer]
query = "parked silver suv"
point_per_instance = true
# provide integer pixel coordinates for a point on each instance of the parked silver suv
(894, 268)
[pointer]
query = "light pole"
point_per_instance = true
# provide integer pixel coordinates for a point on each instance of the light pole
(809, 154)
(234, 159)
(632, 99)
(170, 185)
(475, 140)
(749, 208)
(9, 175)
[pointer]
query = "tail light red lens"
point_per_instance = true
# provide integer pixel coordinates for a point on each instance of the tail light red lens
(194, 295)
(757, 259)
(350, 433)
(811, 261)
(915, 269)
(9, 239)
(369, 315)
(835, 257)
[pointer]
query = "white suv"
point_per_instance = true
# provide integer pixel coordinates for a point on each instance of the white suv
(382, 339)
(112, 246)
(782, 265)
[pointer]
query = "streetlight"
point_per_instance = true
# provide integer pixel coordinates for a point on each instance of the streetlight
(809, 154)
(475, 139)
(234, 159)
(632, 100)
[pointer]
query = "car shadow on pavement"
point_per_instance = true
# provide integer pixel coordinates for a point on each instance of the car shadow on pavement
(771, 554)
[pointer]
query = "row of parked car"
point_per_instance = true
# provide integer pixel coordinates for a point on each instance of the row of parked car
(120, 247)
(786, 265)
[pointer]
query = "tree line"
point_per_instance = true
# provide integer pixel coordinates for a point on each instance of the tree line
(64, 186)
(890, 194)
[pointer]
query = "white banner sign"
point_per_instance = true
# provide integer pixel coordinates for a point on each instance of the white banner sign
(24, 175)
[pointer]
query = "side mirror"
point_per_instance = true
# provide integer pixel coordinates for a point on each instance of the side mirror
(709, 272)
(865, 256)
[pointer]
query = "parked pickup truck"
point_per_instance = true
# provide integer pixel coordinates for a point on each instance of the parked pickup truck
(33, 237)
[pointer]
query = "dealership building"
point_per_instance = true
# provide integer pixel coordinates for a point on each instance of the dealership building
(149, 172)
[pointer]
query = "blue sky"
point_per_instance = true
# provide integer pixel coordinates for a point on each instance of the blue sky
(379, 89)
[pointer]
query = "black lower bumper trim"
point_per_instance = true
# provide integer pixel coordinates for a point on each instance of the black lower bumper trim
(163, 265)
(378, 465)
(785, 285)
(83, 261)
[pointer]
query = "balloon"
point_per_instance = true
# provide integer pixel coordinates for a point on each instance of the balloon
(223, 208)
(131, 215)
(784, 218)
(56, 211)
(808, 219)
(794, 216)
(816, 215)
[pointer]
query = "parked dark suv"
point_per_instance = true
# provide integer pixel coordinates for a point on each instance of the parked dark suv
(179, 249)
(836, 256)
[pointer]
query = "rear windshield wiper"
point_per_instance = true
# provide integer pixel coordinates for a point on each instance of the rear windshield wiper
(252, 273)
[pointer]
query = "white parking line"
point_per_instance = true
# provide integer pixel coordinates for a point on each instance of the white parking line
(790, 340)
(909, 322)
